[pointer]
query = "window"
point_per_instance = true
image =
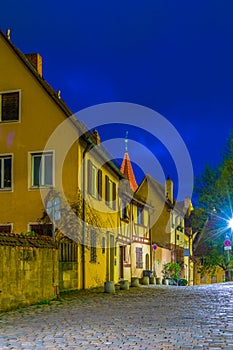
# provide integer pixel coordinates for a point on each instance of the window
(94, 181)
(124, 210)
(68, 252)
(110, 193)
(123, 252)
(9, 102)
(42, 169)
(5, 172)
(103, 245)
(42, 229)
(93, 254)
(6, 228)
(173, 220)
(140, 215)
(139, 263)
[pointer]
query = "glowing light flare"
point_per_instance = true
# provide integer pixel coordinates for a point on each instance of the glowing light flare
(10, 138)
(230, 223)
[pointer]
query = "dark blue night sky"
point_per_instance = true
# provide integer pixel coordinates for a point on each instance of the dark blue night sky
(173, 56)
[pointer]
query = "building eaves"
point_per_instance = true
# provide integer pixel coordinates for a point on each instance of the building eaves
(60, 103)
(39, 78)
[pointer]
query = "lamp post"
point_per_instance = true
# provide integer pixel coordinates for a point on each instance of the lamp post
(227, 248)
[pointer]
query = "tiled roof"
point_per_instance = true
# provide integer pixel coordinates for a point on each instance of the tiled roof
(127, 170)
(16, 240)
(40, 79)
(67, 111)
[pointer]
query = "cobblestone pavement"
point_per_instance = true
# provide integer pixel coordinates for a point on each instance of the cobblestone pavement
(154, 317)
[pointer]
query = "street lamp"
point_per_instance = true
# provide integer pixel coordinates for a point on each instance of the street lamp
(227, 247)
(230, 223)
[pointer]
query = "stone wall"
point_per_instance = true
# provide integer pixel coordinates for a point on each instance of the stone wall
(28, 270)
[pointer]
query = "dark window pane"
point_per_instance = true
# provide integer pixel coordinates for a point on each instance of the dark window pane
(42, 229)
(103, 245)
(48, 170)
(139, 263)
(93, 247)
(68, 252)
(107, 189)
(1, 180)
(36, 170)
(7, 172)
(10, 106)
(100, 184)
(5, 228)
(89, 177)
(114, 195)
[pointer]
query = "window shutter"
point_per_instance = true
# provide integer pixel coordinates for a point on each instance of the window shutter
(10, 106)
(89, 177)
(100, 184)
(107, 189)
(114, 195)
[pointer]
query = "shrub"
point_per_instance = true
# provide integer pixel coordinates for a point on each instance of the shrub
(171, 270)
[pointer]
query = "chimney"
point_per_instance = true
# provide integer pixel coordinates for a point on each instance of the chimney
(36, 60)
(96, 137)
(169, 189)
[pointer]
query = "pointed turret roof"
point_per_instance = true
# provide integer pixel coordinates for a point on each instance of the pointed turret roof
(127, 170)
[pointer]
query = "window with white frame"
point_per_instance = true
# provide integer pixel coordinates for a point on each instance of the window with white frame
(6, 228)
(44, 229)
(42, 169)
(9, 106)
(140, 220)
(5, 172)
(94, 181)
(110, 193)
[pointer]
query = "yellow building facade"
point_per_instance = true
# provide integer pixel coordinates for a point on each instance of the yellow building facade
(134, 238)
(170, 242)
(49, 163)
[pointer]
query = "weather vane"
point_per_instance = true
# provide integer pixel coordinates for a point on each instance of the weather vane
(126, 141)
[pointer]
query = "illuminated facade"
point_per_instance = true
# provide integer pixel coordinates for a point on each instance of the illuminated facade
(32, 169)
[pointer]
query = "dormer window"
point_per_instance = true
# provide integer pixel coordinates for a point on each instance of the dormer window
(9, 106)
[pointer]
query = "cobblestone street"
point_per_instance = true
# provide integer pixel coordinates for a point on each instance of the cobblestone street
(154, 317)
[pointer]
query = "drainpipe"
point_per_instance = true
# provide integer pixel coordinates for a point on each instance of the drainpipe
(88, 147)
(152, 252)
